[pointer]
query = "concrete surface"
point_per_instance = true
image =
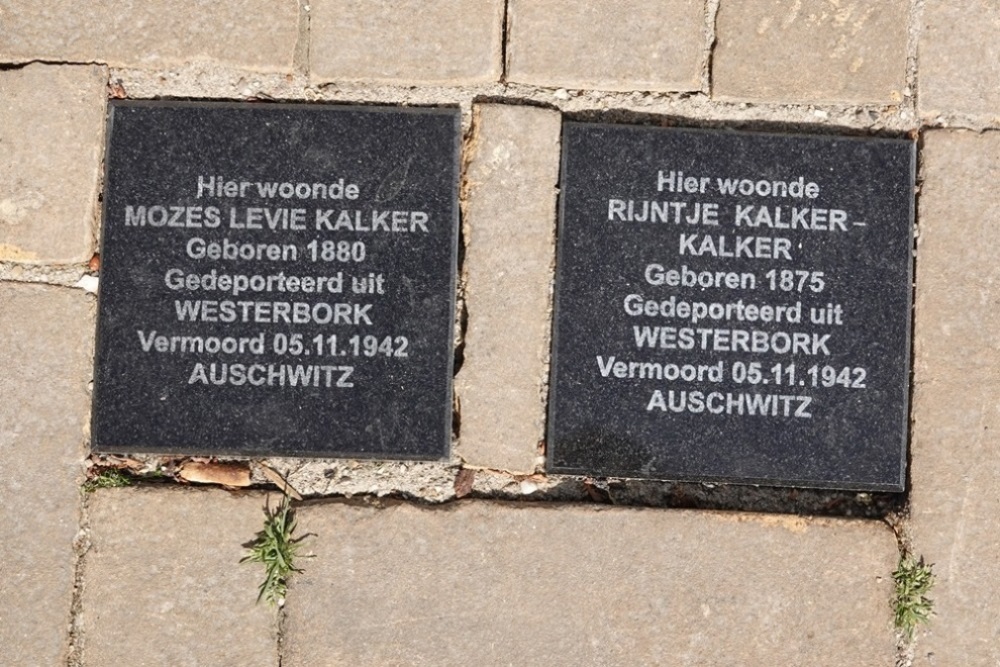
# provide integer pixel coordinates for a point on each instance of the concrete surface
(45, 362)
(256, 34)
(163, 581)
(960, 58)
(406, 41)
(51, 147)
(956, 422)
(483, 583)
(607, 44)
(510, 218)
(811, 51)
(957, 339)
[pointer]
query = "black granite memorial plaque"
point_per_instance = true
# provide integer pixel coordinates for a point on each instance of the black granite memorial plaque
(732, 307)
(277, 279)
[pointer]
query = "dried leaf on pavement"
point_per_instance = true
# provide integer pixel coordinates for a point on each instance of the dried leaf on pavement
(464, 481)
(227, 474)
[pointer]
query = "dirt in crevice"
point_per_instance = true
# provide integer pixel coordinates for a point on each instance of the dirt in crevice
(81, 545)
(711, 41)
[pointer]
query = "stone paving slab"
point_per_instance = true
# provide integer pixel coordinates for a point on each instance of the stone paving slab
(485, 583)
(257, 34)
(811, 51)
(956, 427)
(607, 44)
(953, 521)
(45, 362)
(510, 219)
(959, 58)
(52, 139)
(163, 584)
(406, 41)
(957, 334)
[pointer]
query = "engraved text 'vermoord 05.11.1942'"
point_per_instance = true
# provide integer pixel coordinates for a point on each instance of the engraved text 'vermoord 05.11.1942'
(277, 279)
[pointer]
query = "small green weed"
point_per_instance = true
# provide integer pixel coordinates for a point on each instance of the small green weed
(275, 548)
(914, 579)
(109, 478)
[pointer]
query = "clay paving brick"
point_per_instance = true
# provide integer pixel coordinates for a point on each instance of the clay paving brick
(44, 369)
(607, 44)
(258, 34)
(163, 584)
(52, 139)
(510, 230)
(959, 58)
(482, 583)
(956, 417)
(811, 51)
(406, 41)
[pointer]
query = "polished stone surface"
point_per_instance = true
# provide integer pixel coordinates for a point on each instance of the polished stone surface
(732, 307)
(277, 279)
